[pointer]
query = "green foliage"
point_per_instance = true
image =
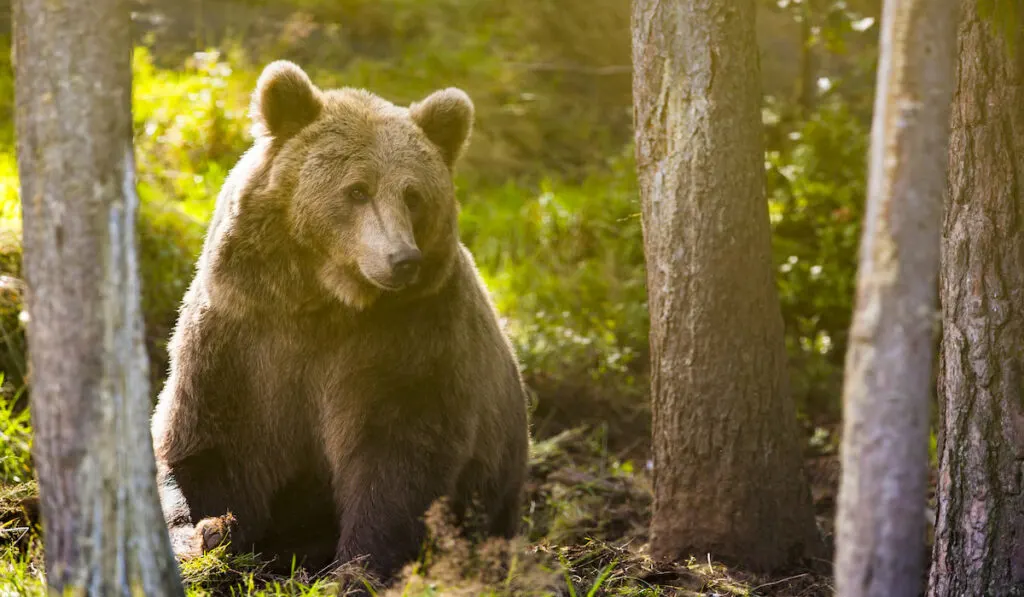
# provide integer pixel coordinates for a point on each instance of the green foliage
(527, 65)
(21, 571)
(566, 266)
(816, 190)
(15, 442)
(190, 128)
(190, 125)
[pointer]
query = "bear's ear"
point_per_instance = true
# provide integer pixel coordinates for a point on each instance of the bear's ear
(285, 100)
(446, 117)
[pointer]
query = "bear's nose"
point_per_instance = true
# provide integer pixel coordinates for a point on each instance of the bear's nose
(405, 264)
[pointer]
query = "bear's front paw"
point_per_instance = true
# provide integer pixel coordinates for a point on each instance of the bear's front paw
(213, 531)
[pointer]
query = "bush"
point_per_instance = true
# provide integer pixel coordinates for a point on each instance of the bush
(15, 442)
(566, 266)
(12, 333)
(816, 190)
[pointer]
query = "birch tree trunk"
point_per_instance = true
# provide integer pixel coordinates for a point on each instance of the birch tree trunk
(103, 529)
(979, 529)
(880, 526)
(728, 479)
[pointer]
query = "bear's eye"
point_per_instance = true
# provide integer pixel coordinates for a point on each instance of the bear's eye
(413, 200)
(358, 193)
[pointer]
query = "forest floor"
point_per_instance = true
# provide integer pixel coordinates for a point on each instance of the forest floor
(585, 531)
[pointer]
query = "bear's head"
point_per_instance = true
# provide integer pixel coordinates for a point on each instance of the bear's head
(367, 184)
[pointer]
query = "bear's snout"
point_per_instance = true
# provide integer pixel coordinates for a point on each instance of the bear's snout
(405, 266)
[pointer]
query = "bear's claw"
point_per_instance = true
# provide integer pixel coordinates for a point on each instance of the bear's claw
(211, 532)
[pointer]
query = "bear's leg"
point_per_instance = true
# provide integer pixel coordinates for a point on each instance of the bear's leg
(219, 498)
(500, 492)
(488, 505)
(383, 491)
(505, 520)
(176, 514)
(304, 525)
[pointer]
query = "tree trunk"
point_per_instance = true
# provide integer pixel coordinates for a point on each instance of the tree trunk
(979, 530)
(728, 479)
(880, 525)
(103, 529)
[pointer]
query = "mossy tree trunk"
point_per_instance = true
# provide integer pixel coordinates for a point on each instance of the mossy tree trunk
(103, 529)
(979, 530)
(728, 479)
(880, 525)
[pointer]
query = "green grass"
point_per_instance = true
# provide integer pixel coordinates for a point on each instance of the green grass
(16, 442)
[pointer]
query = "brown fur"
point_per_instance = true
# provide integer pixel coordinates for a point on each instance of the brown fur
(312, 395)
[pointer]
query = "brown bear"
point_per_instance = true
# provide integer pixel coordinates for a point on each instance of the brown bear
(338, 365)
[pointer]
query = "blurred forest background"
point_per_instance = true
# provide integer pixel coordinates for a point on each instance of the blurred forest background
(550, 206)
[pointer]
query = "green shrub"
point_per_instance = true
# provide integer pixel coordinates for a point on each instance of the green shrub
(565, 264)
(12, 333)
(816, 189)
(15, 442)
(191, 125)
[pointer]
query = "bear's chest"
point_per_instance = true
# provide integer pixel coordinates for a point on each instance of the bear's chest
(387, 368)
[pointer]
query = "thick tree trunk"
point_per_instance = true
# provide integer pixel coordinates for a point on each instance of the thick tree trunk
(880, 526)
(103, 529)
(728, 476)
(979, 531)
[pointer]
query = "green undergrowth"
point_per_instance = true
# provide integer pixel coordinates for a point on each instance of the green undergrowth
(15, 442)
(584, 534)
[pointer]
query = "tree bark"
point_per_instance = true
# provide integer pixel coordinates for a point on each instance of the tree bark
(103, 529)
(728, 479)
(979, 531)
(880, 525)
